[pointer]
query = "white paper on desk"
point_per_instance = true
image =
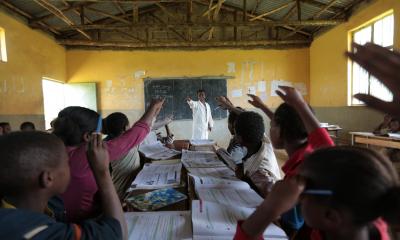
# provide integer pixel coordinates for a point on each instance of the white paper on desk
(199, 159)
(227, 158)
(217, 221)
(230, 196)
(154, 176)
(212, 182)
(159, 225)
(157, 151)
(202, 142)
(218, 172)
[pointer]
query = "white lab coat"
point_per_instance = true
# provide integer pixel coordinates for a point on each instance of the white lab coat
(201, 119)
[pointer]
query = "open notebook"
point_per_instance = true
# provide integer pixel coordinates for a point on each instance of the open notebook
(218, 222)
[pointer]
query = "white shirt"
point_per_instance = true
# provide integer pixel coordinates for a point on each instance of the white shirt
(201, 119)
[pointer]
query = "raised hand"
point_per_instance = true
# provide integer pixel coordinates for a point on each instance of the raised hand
(97, 154)
(290, 95)
(156, 105)
(255, 101)
(384, 65)
(224, 103)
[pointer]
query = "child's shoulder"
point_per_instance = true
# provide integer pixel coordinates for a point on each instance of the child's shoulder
(24, 224)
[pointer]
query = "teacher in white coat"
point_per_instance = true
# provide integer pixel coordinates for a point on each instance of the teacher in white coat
(202, 119)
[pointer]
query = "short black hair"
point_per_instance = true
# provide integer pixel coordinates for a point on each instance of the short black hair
(3, 124)
(290, 123)
(233, 116)
(250, 127)
(73, 122)
(23, 155)
(362, 180)
(201, 90)
(114, 124)
(27, 125)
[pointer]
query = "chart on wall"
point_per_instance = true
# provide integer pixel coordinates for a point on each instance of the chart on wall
(175, 91)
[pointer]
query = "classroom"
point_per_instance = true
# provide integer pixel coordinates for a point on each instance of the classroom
(119, 55)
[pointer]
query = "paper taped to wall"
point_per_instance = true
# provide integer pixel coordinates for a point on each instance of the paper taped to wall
(236, 93)
(261, 86)
(275, 86)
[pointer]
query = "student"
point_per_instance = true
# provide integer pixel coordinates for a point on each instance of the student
(394, 126)
(74, 126)
(6, 127)
(260, 164)
(236, 151)
(202, 119)
(1, 131)
(124, 169)
(35, 168)
(383, 128)
(345, 193)
(27, 126)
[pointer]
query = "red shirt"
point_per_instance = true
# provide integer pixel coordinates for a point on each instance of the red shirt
(79, 199)
(317, 139)
(379, 224)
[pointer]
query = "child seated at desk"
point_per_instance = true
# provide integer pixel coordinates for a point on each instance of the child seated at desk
(237, 152)
(259, 165)
(34, 169)
(345, 193)
(123, 171)
(389, 125)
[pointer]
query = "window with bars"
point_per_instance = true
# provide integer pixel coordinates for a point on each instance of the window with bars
(380, 32)
(3, 51)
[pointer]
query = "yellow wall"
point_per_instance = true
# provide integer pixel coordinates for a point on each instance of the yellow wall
(114, 70)
(31, 56)
(328, 66)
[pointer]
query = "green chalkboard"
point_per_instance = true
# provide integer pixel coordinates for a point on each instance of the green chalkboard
(175, 92)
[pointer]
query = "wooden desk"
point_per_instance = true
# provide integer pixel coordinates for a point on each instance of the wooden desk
(333, 131)
(371, 139)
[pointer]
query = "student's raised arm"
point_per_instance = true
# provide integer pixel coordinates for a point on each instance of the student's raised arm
(293, 97)
(99, 162)
(384, 65)
(283, 196)
(225, 103)
(258, 103)
(152, 111)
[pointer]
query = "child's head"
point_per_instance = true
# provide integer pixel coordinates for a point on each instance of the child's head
(27, 126)
(31, 162)
(249, 128)
(6, 127)
(115, 124)
(364, 186)
(394, 125)
(75, 124)
(231, 121)
(286, 126)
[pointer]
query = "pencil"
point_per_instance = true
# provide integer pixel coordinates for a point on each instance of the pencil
(99, 123)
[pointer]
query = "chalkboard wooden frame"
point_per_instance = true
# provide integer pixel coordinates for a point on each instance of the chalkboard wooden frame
(175, 91)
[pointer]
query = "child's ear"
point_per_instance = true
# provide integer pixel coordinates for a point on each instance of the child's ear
(333, 219)
(46, 179)
(86, 137)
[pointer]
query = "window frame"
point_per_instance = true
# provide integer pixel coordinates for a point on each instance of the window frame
(3, 46)
(352, 33)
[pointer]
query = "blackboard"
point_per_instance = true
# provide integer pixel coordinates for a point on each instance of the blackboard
(175, 92)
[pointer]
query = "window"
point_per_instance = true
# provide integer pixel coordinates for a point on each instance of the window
(3, 52)
(381, 32)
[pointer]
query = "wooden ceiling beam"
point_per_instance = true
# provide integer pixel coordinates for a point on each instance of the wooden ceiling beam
(172, 29)
(117, 18)
(180, 44)
(320, 5)
(64, 9)
(29, 17)
(232, 9)
(51, 8)
(271, 12)
(166, 11)
(315, 16)
(163, 24)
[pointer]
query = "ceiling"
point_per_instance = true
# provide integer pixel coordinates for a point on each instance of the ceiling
(151, 24)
